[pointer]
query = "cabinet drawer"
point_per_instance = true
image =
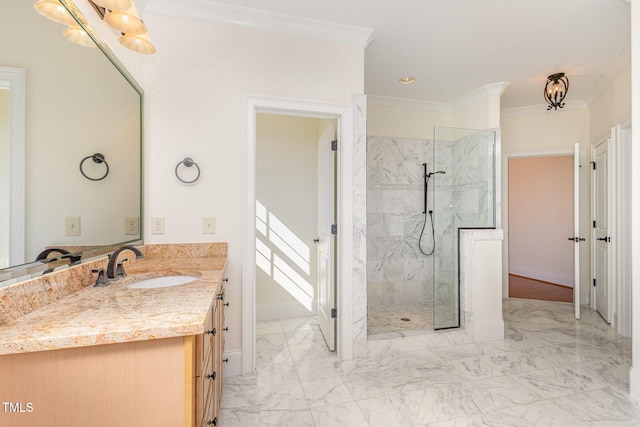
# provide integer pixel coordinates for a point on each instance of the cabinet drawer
(204, 342)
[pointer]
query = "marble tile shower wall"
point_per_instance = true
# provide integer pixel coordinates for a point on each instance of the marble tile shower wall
(397, 272)
(464, 198)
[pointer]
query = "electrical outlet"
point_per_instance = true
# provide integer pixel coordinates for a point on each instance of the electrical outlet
(72, 226)
(131, 225)
(157, 225)
(209, 225)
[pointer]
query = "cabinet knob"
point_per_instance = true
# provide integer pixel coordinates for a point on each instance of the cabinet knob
(211, 376)
(211, 331)
(226, 304)
(213, 422)
(226, 329)
(225, 360)
(226, 279)
(221, 296)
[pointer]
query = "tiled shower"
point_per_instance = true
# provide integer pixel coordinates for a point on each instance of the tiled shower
(401, 297)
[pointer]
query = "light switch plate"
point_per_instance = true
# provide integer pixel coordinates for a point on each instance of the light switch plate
(131, 225)
(72, 226)
(208, 225)
(157, 225)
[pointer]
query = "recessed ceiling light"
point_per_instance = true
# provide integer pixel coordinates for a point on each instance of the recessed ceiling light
(407, 80)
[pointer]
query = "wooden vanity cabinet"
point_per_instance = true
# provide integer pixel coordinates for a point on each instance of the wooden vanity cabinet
(208, 368)
(164, 382)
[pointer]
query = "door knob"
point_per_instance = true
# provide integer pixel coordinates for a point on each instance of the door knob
(604, 239)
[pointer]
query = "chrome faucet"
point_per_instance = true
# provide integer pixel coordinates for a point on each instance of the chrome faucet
(113, 266)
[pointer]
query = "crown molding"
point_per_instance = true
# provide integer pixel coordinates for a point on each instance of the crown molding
(409, 104)
(226, 14)
(481, 93)
(542, 109)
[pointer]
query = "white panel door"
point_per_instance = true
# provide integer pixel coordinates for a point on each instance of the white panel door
(601, 230)
(326, 240)
(576, 230)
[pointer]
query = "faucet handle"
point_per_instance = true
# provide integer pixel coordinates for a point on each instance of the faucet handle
(120, 272)
(102, 280)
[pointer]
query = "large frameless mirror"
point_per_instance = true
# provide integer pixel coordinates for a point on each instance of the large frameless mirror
(70, 145)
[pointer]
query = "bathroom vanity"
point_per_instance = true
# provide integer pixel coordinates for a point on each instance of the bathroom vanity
(120, 356)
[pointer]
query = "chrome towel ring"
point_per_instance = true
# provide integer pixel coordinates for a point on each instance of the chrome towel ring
(188, 162)
(97, 158)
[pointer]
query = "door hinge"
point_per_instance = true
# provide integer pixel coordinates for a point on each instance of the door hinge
(334, 228)
(334, 145)
(593, 165)
(594, 283)
(334, 313)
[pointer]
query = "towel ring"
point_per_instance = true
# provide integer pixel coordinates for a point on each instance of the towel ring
(97, 158)
(188, 162)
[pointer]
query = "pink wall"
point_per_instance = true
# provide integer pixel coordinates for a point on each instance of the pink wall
(541, 218)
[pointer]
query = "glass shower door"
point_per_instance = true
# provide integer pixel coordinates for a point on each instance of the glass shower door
(464, 197)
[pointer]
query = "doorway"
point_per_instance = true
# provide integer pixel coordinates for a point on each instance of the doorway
(295, 209)
(541, 199)
(343, 116)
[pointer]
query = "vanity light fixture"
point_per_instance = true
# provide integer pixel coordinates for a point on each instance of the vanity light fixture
(77, 35)
(556, 90)
(114, 4)
(55, 11)
(138, 43)
(407, 80)
(122, 16)
(125, 21)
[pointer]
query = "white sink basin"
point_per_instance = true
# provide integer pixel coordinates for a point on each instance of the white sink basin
(162, 282)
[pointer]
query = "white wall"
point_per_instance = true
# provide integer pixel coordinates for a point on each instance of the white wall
(538, 129)
(541, 218)
(194, 87)
(404, 122)
(612, 106)
(287, 208)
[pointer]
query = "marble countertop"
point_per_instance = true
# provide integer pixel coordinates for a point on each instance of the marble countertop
(116, 313)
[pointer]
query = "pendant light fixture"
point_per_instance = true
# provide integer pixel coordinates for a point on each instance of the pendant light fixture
(556, 90)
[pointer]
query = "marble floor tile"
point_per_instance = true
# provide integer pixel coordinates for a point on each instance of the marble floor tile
(388, 411)
(341, 415)
(326, 392)
(314, 369)
(550, 370)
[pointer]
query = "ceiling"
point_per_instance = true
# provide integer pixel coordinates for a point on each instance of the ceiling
(454, 47)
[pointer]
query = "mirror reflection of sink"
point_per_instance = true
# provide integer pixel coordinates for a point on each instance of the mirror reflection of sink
(163, 282)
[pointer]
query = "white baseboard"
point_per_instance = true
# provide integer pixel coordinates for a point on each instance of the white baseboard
(488, 331)
(284, 310)
(234, 366)
(545, 276)
(634, 383)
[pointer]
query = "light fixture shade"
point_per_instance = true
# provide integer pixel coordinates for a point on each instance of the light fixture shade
(114, 4)
(138, 43)
(78, 35)
(55, 11)
(556, 90)
(126, 21)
